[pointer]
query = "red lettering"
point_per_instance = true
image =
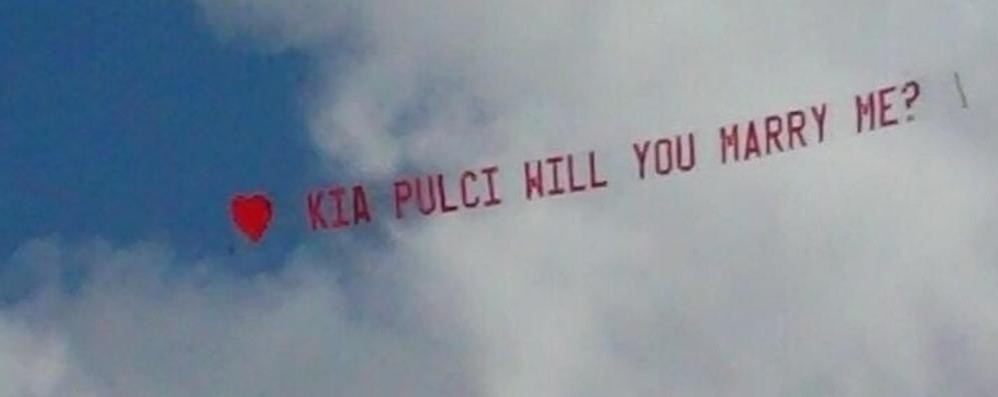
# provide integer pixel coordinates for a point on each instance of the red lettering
(572, 187)
(659, 153)
(795, 124)
(751, 142)
(361, 211)
(679, 153)
(533, 180)
(865, 109)
(426, 204)
(556, 188)
(315, 211)
(444, 207)
(403, 192)
(468, 175)
(729, 140)
(819, 116)
(337, 193)
(593, 180)
(493, 198)
(885, 105)
(774, 127)
(642, 153)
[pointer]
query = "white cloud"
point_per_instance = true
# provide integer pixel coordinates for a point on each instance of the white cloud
(134, 330)
(31, 363)
(865, 266)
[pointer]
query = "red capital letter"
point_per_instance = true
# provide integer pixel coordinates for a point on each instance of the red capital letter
(315, 210)
(403, 192)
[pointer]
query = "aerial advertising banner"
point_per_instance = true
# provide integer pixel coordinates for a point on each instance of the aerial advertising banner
(344, 206)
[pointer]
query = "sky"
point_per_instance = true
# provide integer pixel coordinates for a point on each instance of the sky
(863, 265)
(128, 121)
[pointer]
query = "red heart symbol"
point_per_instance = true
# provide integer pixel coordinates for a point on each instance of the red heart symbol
(252, 215)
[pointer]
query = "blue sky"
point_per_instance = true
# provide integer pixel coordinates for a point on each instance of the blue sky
(132, 121)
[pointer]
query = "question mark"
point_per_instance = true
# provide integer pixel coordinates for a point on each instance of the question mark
(912, 90)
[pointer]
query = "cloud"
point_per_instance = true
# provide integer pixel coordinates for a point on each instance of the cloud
(134, 329)
(864, 266)
(477, 79)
